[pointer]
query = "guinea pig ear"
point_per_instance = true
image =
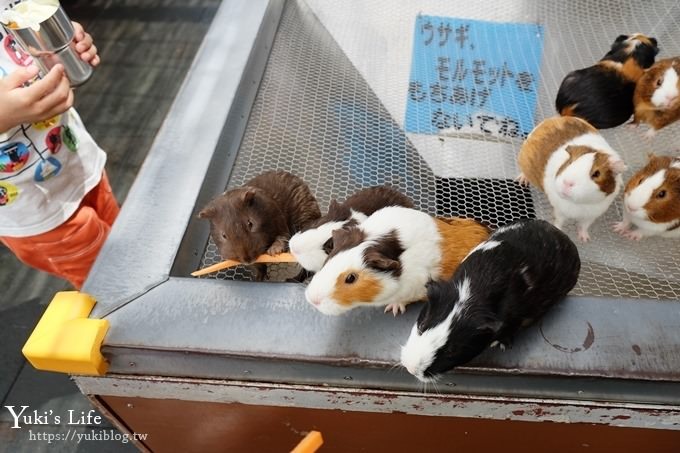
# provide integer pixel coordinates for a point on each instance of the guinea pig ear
(433, 289)
(208, 212)
(617, 165)
(620, 38)
(248, 196)
(333, 205)
(655, 44)
(376, 260)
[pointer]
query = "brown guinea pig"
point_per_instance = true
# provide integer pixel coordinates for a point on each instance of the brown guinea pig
(656, 97)
(602, 94)
(260, 216)
(651, 200)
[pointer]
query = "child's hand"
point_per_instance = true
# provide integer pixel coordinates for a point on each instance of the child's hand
(85, 46)
(40, 101)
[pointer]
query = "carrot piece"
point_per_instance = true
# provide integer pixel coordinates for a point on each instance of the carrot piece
(310, 443)
(280, 258)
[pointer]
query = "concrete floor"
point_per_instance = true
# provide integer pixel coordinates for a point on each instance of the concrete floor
(146, 48)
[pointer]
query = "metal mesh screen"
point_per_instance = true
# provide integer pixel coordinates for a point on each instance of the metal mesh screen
(331, 109)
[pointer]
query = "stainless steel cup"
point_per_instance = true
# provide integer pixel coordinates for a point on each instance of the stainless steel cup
(52, 44)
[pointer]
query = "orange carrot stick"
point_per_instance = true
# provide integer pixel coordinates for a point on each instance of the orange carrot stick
(310, 443)
(280, 258)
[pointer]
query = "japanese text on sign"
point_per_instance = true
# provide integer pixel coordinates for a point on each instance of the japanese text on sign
(473, 76)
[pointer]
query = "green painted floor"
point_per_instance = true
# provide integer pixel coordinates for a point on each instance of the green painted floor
(146, 48)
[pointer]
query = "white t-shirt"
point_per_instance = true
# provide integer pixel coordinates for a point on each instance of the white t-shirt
(46, 168)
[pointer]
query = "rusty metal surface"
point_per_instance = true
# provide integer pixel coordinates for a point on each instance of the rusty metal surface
(383, 401)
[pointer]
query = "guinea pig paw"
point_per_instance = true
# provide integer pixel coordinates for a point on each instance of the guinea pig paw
(498, 344)
(632, 125)
(396, 309)
(650, 134)
(634, 235)
(277, 247)
(522, 180)
(621, 228)
(583, 235)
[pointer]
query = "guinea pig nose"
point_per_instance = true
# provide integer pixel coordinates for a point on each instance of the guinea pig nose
(568, 184)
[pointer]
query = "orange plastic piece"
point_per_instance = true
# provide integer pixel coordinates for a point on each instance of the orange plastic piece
(310, 443)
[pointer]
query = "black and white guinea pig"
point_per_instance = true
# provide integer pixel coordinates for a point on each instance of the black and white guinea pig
(311, 246)
(388, 259)
(506, 282)
(602, 94)
(651, 200)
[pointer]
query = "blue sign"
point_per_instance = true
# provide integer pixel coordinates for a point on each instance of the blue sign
(473, 76)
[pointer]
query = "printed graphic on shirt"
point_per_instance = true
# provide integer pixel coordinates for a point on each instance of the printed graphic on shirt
(53, 140)
(46, 124)
(47, 168)
(13, 156)
(69, 138)
(8, 193)
(15, 52)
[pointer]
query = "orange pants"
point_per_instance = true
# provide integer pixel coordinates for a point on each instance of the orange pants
(69, 250)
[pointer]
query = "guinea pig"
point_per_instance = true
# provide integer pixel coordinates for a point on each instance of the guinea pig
(312, 246)
(576, 168)
(507, 282)
(656, 95)
(260, 216)
(602, 94)
(387, 260)
(651, 200)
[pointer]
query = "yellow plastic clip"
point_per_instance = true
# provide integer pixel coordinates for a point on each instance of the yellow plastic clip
(65, 339)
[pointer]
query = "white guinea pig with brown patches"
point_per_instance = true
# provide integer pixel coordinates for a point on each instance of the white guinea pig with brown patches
(651, 200)
(576, 168)
(388, 259)
(657, 95)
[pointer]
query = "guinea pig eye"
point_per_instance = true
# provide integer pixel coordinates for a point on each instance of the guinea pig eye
(661, 194)
(596, 174)
(250, 225)
(659, 81)
(224, 235)
(351, 278)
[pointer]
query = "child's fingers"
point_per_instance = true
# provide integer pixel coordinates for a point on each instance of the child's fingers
(45, 86)
(79, 32)
(95, 61)
(89, 55)
(84, 44)
(62, 107)
(57, 101)
(17, 78)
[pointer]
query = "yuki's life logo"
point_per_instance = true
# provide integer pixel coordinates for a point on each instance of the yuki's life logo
(22, 416)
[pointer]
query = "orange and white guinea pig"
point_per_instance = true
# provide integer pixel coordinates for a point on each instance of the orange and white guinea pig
(656, 97)
(388, 259)
(651, 200)
(576, 168)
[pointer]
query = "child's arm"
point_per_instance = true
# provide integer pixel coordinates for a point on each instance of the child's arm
(42, 100)
(85, 46)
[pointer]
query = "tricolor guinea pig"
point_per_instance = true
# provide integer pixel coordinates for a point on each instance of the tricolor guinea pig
(576, 168)
(507, 282)
(260, 216)
(656, 95)
(651, 200)
(602, 94)
(312, 246)
(387, 260)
